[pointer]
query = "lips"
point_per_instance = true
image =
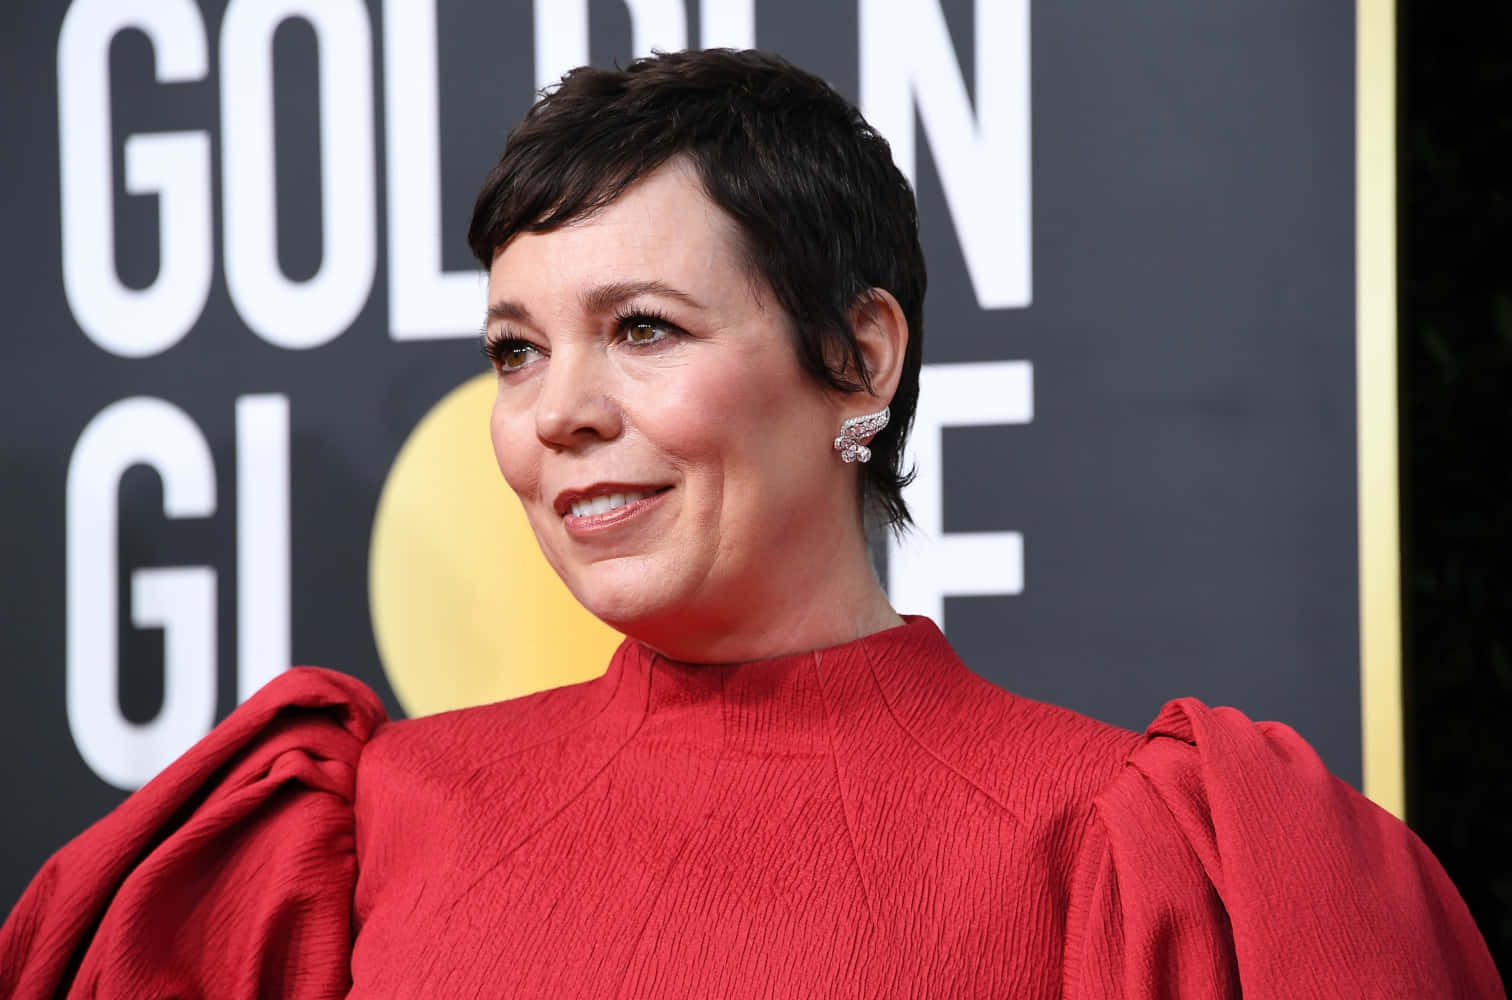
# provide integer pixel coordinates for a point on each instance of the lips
(601, 498)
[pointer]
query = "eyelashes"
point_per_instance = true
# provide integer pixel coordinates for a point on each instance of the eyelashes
(631, 323)
(638, 328)
(503, 352)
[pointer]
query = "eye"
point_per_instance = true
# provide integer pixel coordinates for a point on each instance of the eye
(645, 333)
(511, 354)
(642, 329)
(516, 357)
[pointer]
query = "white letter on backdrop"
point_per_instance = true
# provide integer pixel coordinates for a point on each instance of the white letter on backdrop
(425, 302)
(262, 541)
(727, 24)
(175, 166)
(982, 159)
(286, 313)
(180, 600)
(927, 565)
(561, 33)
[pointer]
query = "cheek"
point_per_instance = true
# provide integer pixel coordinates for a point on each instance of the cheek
(515, 448)
(749, 440)
(703, 422)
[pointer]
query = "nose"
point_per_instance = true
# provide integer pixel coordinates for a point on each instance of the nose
(576, 404)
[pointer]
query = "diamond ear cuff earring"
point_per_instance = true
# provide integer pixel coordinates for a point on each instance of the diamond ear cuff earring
(857, 429)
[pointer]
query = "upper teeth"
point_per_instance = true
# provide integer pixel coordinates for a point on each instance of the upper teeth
(599, 505)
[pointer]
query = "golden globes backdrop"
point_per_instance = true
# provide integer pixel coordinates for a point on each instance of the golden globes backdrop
(246, 411)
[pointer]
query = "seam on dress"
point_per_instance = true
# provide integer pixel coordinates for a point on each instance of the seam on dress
(592, 779)
(687, 842)
(845, 809)
(871, 669)
(558, 734)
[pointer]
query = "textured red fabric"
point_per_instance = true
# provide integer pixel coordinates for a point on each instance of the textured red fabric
(871, 820)
(1226, 858)
(228, 875)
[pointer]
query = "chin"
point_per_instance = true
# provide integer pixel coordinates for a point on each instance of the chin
(621, 597)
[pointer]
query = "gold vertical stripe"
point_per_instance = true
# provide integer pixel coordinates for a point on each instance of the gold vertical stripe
(1376, 375)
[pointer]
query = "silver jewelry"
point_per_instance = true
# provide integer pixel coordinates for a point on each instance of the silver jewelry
(857, 429)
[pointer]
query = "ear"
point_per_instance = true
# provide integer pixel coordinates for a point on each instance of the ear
(882, 334)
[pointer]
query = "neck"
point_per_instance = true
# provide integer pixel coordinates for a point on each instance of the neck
(834, 599)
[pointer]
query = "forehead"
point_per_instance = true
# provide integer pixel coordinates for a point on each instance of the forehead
(662, 228)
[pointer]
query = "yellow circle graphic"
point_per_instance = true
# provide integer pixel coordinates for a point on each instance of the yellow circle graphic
(465, 608)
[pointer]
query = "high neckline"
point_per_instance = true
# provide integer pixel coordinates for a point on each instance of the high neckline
(792, 701)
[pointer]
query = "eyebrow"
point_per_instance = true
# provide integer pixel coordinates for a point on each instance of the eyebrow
(603, 298)
(598, 299)
(507, 309)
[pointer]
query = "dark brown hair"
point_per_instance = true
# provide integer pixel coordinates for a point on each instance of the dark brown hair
(824, 214)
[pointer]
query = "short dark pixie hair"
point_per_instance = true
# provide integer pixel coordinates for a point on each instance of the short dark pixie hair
(823, 212)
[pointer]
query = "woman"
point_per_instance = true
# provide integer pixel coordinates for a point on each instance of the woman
(705, 295)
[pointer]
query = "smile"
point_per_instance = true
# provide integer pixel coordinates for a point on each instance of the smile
(602, 507)
(587, 507)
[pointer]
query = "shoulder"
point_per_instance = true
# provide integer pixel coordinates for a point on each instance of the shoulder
(254, 818)
(429, 787)
(1251, 804)
(341, 698)
(306, 717)
(1217, 773)
(1267, 867)
(1042, 756)
(305, 713)
(443, 744)
(1040, 761)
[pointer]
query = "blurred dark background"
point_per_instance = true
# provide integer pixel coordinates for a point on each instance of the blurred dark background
(1455, 199)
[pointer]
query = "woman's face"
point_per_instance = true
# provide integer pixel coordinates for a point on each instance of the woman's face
(674, 460)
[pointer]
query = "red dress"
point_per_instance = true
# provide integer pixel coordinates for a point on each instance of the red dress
(871, 820)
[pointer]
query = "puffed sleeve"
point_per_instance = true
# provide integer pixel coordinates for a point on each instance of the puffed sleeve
(230, 874)
(1225, 859)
